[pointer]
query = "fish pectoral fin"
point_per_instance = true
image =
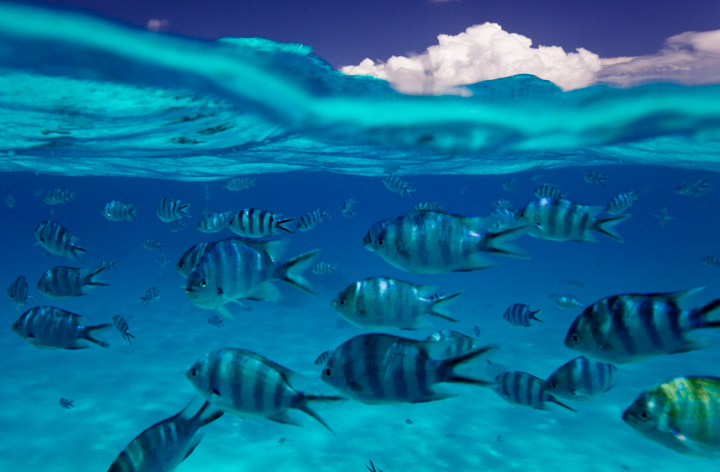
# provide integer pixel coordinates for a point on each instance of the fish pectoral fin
(193, 444)
(284, 418)
(225, 312)
(266, 292)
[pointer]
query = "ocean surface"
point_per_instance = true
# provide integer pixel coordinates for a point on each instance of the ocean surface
(116, 113)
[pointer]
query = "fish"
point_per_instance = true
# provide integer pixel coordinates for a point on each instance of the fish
(150, 296)
(47, 327)
(323, 357)
(428, 206)
(207, 192)
(568, 302)
(152, 245)
(122, 328)
(65, 282)
(239, 183)
(549, 191)
(57, 240)
(633, 327)
(10, 201)
(18, 291)
(520, 314)
(346, 208)
(694, 188)
(67, 404)
(119, 211)
(323, 268)
(162, 261)
(476, 331)
(371, 467)
(509, 186)
(256, 223)
(243, 382)
(231, 272)
(384, 369)
(621, 202)
(682, 414)
(557, 219)
(216, 321)
(381, 303)
(713, 261)
(372, 235)
(310, 220)
(502, 204)
(164, 445)
(502, 220)
(457, 343)
(521, 388)
(58, 196)
(105, 265)
(176, 226)
(432, 242)
(169, 210)
(394, 183)
(593, 177)
(581, 379)
(664, 217)
(214, 222)
(192, 255)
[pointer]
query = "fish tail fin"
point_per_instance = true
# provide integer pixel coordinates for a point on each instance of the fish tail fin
(555, 401)
(133, 213)
(77, 251)
(440, 306)
(207, 414)
(606, 226)
(90, 333)
(499, 242)
(183, 210)
(302, 405)
(89, 279)
(291, 271)
(470, 363)
(532, 316)
(408, 190)
(281, 224)
(707, 316)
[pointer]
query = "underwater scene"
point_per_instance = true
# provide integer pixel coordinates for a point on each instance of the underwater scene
(228, 256)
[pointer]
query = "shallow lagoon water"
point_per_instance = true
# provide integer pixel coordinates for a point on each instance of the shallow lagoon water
(105, 145)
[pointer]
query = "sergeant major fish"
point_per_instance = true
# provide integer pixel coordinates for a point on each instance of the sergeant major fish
(323, 268)
(593, 177)
(64, 282)
(18, 291)
(58, 196)
(396, 184)
(549, 191)
(47, 327)
(120, 211)
(256, 223)
(122, 327)
(310, 220)
(214, 222)
(520, 314)
(428, 206)
(57, 240)
(192, 255)
(239, 183)
(663, 216)
(176, 226)
(509, 186)
(713, 261)
(581, 379)
(621, 202)
(694, 188)
(520, 388)
(152, 245)
(150, 296)
(169, 210)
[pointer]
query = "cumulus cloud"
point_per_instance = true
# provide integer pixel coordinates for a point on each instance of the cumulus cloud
(482, 52)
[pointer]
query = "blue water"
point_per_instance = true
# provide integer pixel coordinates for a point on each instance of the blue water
(114, 113)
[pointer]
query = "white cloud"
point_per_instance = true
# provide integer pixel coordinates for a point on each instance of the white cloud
(482, 52)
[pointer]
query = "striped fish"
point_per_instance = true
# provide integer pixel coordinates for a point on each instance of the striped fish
(581, 379)
(322, 358)
(164, 445)
(396, 184)
(520, 388)
(694, 188)
(256, 223)
(189, 259)
(502, 219)
(57, 240)
(105, 265)
(557, 219)
(231, 272)
(152, 245)
(64, 282)
(239, 183)
(243, 383)
(371, 237)
(682, 414)
(433, 242)
(502, 204)
(384, 369)
(520, 314)
(476, 331)
(509, 186)
(18, 291)
(456, 343)
(47, 327)
(428, 206)
(622, 202)
(593, 177)
(58, 196)
(323, 268)
(549, 191)
(216, 321)
(176, 226)
(381, 303)
(119, 211)
(664, 217)
(346, 208)
(170, 210)
(150, 296)
(713, 261)
(161, 260)
(633, 327)
(122, 327)
(214, 222)
(310, 220)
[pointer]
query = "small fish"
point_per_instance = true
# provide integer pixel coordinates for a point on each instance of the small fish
(520, 314)
(713, 261)
(18, 291)
(256, 223)
(67, 404)
(476, 331)
(431, 206)
(162, 261)
(520, 388)
(310, 220)
(502, 219)
(122, 328)
(346, 208)
(152, 245)
(216, 321)
(371, 467)
(409, 421)
(176, 226)
(694, 188)
(396, 184)
(218, 374)
(622, 202)
(568, 302)
(239, 183)
(169, 210)
(635, 326)
(664, 217)
(549, 191)
(509, 186)
(58, 196)
(150, 296)
(207, 192)
(57, 240)
(214, 222)
(105, 265)
(457, 343)
(581, 379)
(682, 414)
(323, 268)
(164, 445)
(119, 211)
(10, 201)
(593, 177)
(64, 282)
(503, 204)
(47, 327)
(322, 358)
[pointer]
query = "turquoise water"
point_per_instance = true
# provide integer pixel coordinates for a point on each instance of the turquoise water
(115, 113)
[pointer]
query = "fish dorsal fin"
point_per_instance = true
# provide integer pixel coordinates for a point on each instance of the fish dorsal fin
(676, 296)
(276, 249)
(292, 378)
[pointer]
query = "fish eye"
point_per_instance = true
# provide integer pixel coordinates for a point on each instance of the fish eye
(553, 386)
(381, 242)
(644, 415)
(193, 372)
(203, 283)
(342, 302)
(327, 373)
(15, 325)
(575, 338)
